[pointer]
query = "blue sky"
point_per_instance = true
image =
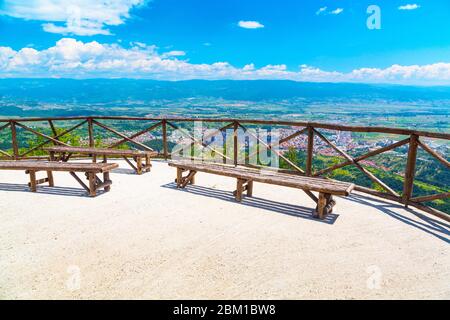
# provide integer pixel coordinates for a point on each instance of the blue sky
(320, 40)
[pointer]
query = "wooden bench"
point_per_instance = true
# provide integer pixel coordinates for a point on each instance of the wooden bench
(90, 169)
(246, 176)
(65, 152)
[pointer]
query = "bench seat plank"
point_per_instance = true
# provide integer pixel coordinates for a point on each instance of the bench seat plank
(271, 177)
(246, 176)
(137, 155)
(57, 166)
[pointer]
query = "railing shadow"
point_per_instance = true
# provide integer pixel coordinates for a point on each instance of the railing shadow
(255, 202)
(434, 227)
(60, 191)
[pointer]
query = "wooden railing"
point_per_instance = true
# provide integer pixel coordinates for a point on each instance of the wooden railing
(312, 130)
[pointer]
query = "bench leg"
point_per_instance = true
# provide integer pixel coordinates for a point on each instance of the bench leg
(321, 204)
(148, 164)
(92, 186)
(33, 187)
(239, 189)
(105, 180)
(179, 178)
(51, 182)
(325, 204)
(242, 186)
(105, 160)
(250, 188)
(181, 181)
(139, 165)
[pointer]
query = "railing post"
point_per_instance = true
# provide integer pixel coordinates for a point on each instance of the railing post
(235, 142)
(55, 133)
(164, 138)
(14, 143)
(410, 169)
(309, 151)
(91, 132)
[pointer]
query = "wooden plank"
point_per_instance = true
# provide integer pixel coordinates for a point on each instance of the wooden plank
(244, 170)
(179, 178)
(357, 165)
(276, 151)
(188, 178)
(14, 141)
(139, 164)
(40, 134)
(328, 126)
(235, 142)
(196, 141)
(239, 189)
(91, 132)
(122, 135)
(131, 164)
(85, 187)
(57, 166)
(281, 141)
(106, 179)
(250, 188)
(383, 149)
(137, 134)
(292, 136)
(434, 153)
(51, 181)
(362, 157)
(376, 180)
(56, 137)
(164, 138)
(6, 154)
(308, 183)
(309, 151)
(410, 170)
(6, 125)
(432, 211)
(321, 204)
(32, 183)
(431, 197)
(92, 184)
(55, 133)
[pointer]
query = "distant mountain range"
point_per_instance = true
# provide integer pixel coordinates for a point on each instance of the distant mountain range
(116, 90)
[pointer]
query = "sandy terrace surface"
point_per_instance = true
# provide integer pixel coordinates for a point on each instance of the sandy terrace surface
(146, 239)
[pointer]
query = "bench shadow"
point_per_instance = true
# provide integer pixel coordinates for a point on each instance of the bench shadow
(255, 202)
(434, 227)
(123, 171)
(60, 191)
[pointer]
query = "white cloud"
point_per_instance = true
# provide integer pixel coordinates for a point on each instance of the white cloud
(77, 59)
(409, 7)
(174, 53)
(321, 10)
(250, 24)
(325, 11)
(337, 11)
(78, 17)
